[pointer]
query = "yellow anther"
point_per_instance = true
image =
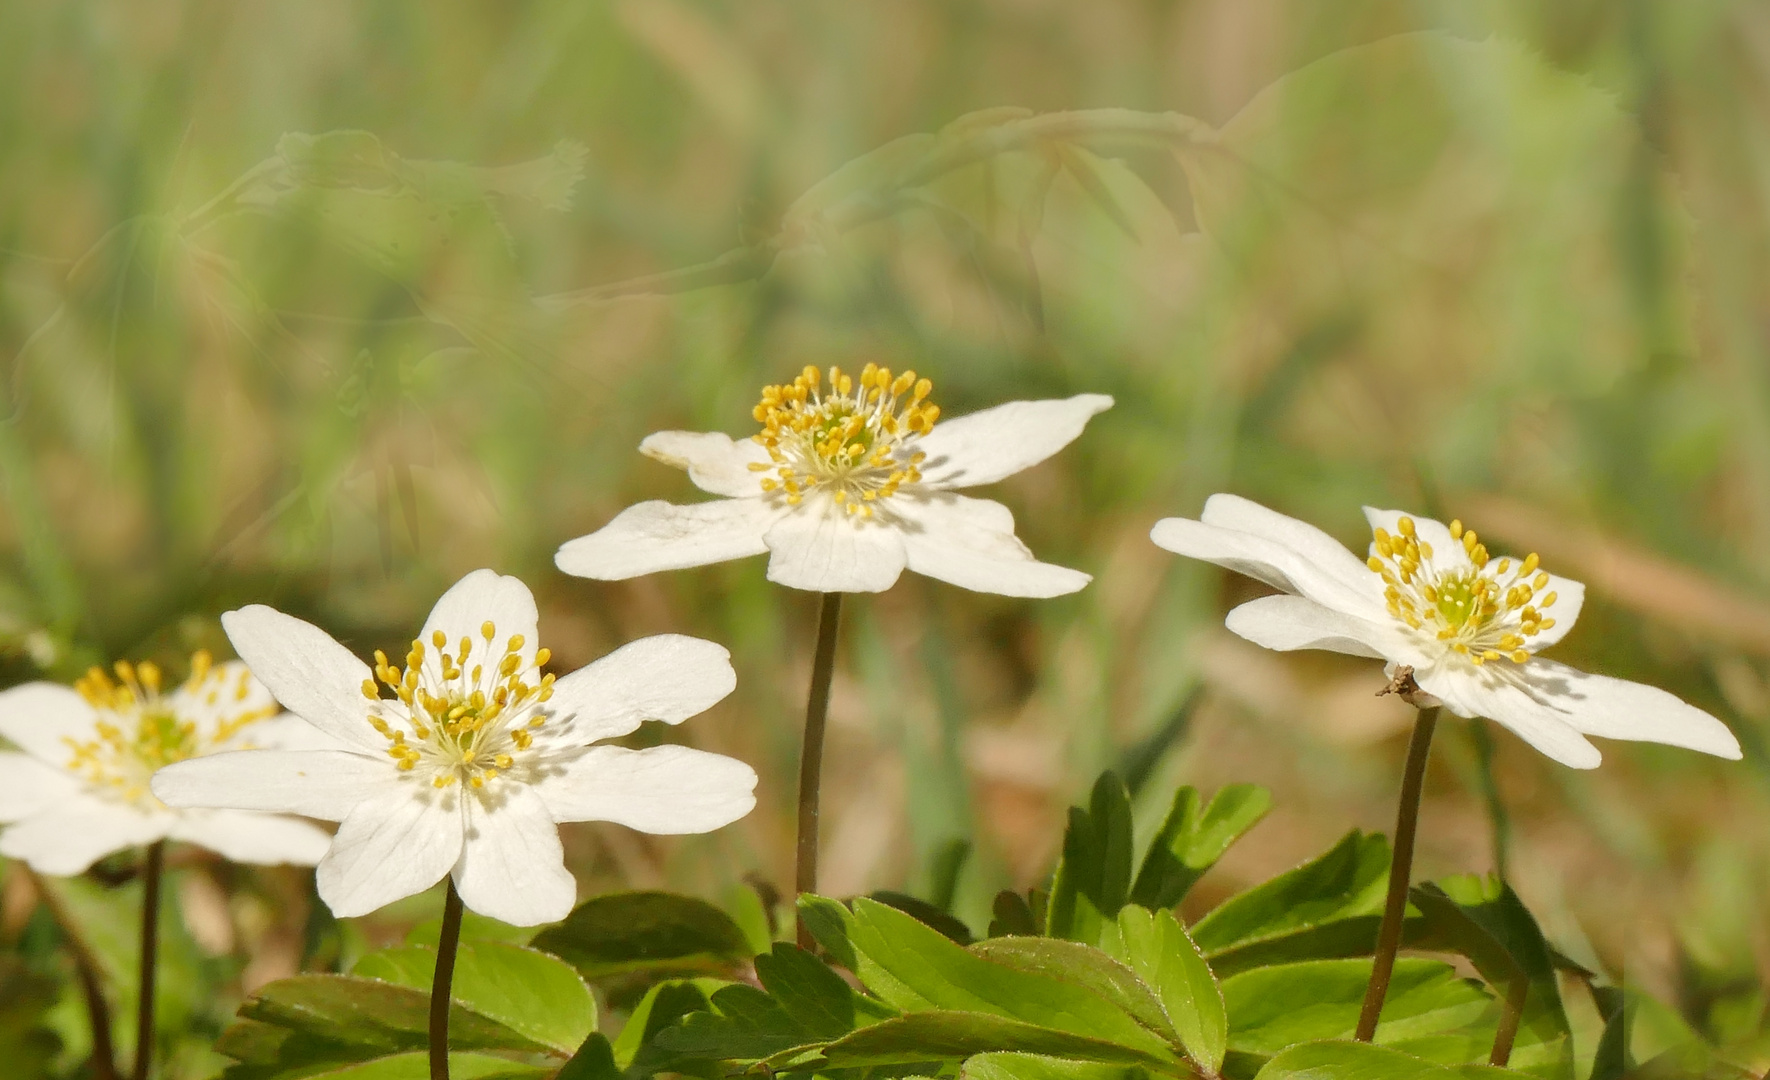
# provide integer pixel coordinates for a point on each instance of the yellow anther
(1406, 526)
(1548, 600)
(514, 644)
(1529, 566)
(1456, 529)
(439, 639)
(1546, 624)
(810, 375)
(369, 690)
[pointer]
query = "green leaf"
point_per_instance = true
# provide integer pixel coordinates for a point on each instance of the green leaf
(663, 1005)
(373, 1014)
(1190, 842)
(26, 1045)
(1011, 914)
(1009, 1065)
(1085, 965)
(1093, 877)
(818, 1000)
(416, 1066)
(745, 1024)
(1326, 907)
(1428, 1011)
(936, 1036)
(926, 913)
(654, 932)
(526, 990)
(831, 923)
(1162, 954)
(474, 927)
(915, 968)
(1362, 1061)
(595, 1060)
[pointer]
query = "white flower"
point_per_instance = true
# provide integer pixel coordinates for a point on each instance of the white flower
(1433, 599)
(472, 756)
(846, 486)
(80, 789)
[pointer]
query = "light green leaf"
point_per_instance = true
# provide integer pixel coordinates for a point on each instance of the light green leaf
(373, 1014)
(660, 932)
(1093, 877)
(936, 1036)
(1362, 1061)
(1085, 965)
(524, 989)
(817, 999)
(1008, 1065)
(1162, 954)
(1190, 841)
(1429, 1010)
(416, 1066)
(665, 1003)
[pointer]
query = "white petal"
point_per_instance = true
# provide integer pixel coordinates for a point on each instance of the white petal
(312, 675)
(983, 447)
(27, 786)
(512, 867)
(245, 837)
(65, 840)
(652, 536)
(1473, 692)
(482, 596)
(669, 677)
(1287, 623)
(324, 784)
(1447, 552)
(41, 717)
(397, 843)
(284, 731)
(971, 543)
(1328, 584)
(1228, 511)
(715, 462)
(663, 789)
(1618, 709)
(227, 692)
(1570, 598)
(822, 548)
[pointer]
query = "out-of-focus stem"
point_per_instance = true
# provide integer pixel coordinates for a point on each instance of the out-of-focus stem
(1407, 820)
(103, 1061)
(1508, 1029)
(811, 751)
(442, 985)
(150, 956)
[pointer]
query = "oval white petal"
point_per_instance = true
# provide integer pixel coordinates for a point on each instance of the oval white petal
(652, 536)
(228, 692)
(715, 462)
(311, 674)
(67, 839)
(1288, 623)
(245, 837)
(985, 446)
(1447, 552)
(662, 789)
(1227, 511)
(41, 717)
(821, 548)
(971, 543)
(399, 842)
(284, 731)
(512, 867)
(480, 597)
(1471, 692)
(324, 784)
(31, 786)
(1329, 584)
(669, 677)
(1619, 709)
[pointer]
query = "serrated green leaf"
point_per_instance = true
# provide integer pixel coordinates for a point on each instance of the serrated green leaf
(664, 1004)
(1093, 877)
(944, 1035)
(745, 1024)
(1190, 841)
(1342, 884)
(1158, 949)
(818, 1000)
(1008, 1065)
(915, 968)
(1083, 964)
(1362, 1061)
(654, 932)
(528, 991)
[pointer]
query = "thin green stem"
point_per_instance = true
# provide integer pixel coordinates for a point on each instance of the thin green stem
(1407, 821)
(442, 986)
(811, 752)
(150, 956)
(1508, 1029)
(103, 1061)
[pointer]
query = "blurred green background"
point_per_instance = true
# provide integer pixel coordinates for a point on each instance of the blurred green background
(324, 304)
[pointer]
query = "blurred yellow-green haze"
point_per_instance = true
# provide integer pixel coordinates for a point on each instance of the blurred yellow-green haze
(323, 304)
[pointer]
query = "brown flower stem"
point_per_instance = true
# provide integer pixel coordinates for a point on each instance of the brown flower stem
(811, 752)
(1407, 820)
(103, 1061)
(1507, 1032)
(154, 871)
(442, 986)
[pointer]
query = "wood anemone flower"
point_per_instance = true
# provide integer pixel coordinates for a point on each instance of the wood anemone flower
(1432, 598)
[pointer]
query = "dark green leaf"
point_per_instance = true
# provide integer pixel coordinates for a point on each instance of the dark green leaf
(1020, 1066)
(595, 1060)
(831, 924)
(663, 1005)
(915, 968)
(1085, 965)
(1011, 914)
(1093, 876)
(927, 914)
(1190, 841)
(745, 1025)
(372, 1014)
(646, 931)
(1611, 1059)
(1362, 1061)
(1341, 885)
(819, 1001)
(27, 1046)
(1166, 960)
(526, 990)
(935, 1036)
